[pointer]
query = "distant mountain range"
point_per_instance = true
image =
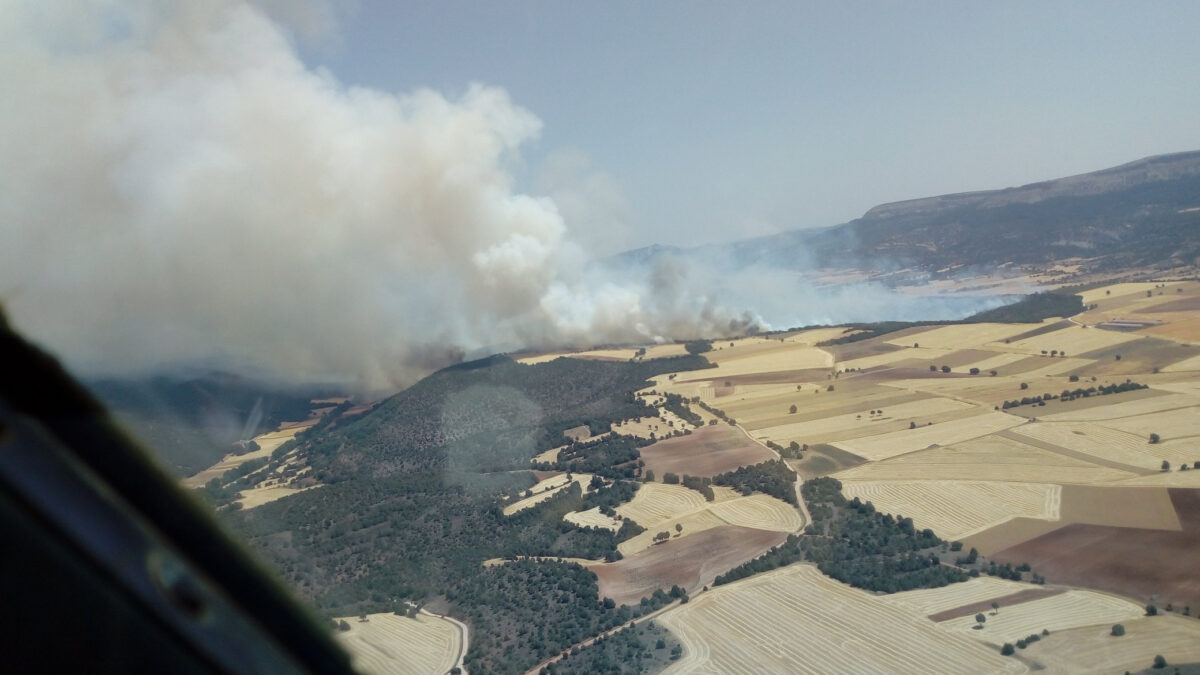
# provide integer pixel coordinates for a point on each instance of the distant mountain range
(1144, 214)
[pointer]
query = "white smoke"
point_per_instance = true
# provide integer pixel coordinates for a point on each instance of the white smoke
(176, 185)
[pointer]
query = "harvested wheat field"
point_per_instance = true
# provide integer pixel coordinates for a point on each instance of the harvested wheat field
(621, 354)
(1094, 650)
(592, 518)
(1116, 291)
(1074, 340)
(946, 433)
(654, 503)
(267, 443)
(1063, 611)
(927, 601)
(1090, 440)
(690, 562)
(956, 509)
(996, 361)
(888, 358)
(546, 489)
(252, 497)
(1137, 562)
(387, 643)
(864, 422)
(994, 458)
(706, 452)
(963, 336)
(690, 524)
(1108, 412)
(766, 357)
(796, 620)
(759, 511)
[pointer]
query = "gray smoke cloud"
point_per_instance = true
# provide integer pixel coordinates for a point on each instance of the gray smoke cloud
(177, 186)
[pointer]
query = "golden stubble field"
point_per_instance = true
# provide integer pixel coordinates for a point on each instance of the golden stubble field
(927, 440)
(386, 643)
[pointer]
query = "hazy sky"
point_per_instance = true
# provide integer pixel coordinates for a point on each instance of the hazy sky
(702, 121)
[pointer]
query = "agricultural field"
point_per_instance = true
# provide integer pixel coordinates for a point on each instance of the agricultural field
(896, 443)
(757, 511)
(927, 601)
(623, 354)
(766, 356)
(1094, 649)
(1072, 609)
(963, 336)
(706, 452)
(690, 562)
(267, 443)
(545, 489)
(956, 509)
(386, 643)
(1074, 340)
(688, 525)
(797, 620)
(864, 422)
(593, 518)
(1104, 444)
(994, 458)
(661, 508)
(654, 503)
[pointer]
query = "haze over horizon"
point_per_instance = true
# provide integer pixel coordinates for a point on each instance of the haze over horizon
(369, 192)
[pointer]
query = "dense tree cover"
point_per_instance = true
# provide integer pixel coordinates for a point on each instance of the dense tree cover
(676, 404)
(853, 543)
(524, 612)
(1032, 309)
(613, 456)
(642, 648)
(701, 485)
(772, 477)
(698, 346)
(410, 506)
(486, 416)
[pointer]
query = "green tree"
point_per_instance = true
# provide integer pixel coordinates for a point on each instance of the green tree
(1166, 466)
(1007, 649)
(792, 409)
(1159, 661)
(1118, 630)
(1151, 610)
(980, 619)
(1154, 438)
(995, 607)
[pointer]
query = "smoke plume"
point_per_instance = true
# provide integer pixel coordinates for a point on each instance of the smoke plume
(176, 185)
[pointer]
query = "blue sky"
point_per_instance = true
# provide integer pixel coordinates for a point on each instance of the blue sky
(706, 121)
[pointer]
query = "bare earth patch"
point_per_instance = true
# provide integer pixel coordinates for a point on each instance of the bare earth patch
(689, 562)
(706, 452)
(1136, 562)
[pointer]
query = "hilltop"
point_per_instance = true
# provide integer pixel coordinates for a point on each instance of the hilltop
(1144, 214)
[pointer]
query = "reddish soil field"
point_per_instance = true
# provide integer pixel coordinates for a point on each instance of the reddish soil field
(690, 562)
(707, 451)
(1004, 601)
(1138, 563)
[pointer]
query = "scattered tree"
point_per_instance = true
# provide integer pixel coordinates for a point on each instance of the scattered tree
(1007, 649)
(1155, 438)
(1118, 630)
(1166, 466)
(980, 619)
(792, 409)
(945, 369)
(1159, 661)
(1151, 610)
